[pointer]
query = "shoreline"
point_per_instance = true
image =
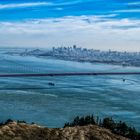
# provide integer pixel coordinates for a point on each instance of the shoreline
(89, 61)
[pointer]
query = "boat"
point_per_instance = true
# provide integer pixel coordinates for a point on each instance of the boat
(51, 84)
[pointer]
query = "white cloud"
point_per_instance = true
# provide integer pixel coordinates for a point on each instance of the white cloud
(133, 3)
(21, 5)
(127, 11)
(35, 4)
(87, 31)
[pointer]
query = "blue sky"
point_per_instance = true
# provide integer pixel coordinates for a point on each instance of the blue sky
(99, 24)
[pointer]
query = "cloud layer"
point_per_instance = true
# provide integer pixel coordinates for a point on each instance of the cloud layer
(99, 32)
(60, 22)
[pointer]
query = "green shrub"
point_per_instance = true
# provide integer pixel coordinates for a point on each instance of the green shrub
(81, 121)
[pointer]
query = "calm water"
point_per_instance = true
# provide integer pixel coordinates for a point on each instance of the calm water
(71, 96)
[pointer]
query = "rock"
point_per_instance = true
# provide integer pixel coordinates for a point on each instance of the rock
(22, 131)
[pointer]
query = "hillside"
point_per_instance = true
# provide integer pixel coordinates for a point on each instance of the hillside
(22, 131)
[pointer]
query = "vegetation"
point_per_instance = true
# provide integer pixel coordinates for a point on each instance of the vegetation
(120, 128)
(9, 120)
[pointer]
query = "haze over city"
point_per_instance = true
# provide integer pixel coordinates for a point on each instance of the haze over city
(97, 24)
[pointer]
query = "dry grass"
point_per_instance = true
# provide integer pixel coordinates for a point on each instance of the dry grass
(22, 131)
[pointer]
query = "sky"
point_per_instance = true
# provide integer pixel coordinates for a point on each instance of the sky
(97, 24)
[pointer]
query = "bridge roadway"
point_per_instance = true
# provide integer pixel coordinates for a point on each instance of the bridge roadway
(67, 74)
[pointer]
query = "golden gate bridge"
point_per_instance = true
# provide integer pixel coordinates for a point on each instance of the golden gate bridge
(68, 74)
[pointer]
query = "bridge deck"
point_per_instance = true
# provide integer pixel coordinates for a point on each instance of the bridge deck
(68, 74)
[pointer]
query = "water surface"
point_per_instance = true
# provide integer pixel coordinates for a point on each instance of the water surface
(33, 100)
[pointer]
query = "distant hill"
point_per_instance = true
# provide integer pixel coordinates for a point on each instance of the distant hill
(23, 131)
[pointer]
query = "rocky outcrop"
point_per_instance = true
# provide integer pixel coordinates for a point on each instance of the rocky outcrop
(22, 131)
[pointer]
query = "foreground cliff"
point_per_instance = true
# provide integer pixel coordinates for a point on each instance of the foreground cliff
(22, 131)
